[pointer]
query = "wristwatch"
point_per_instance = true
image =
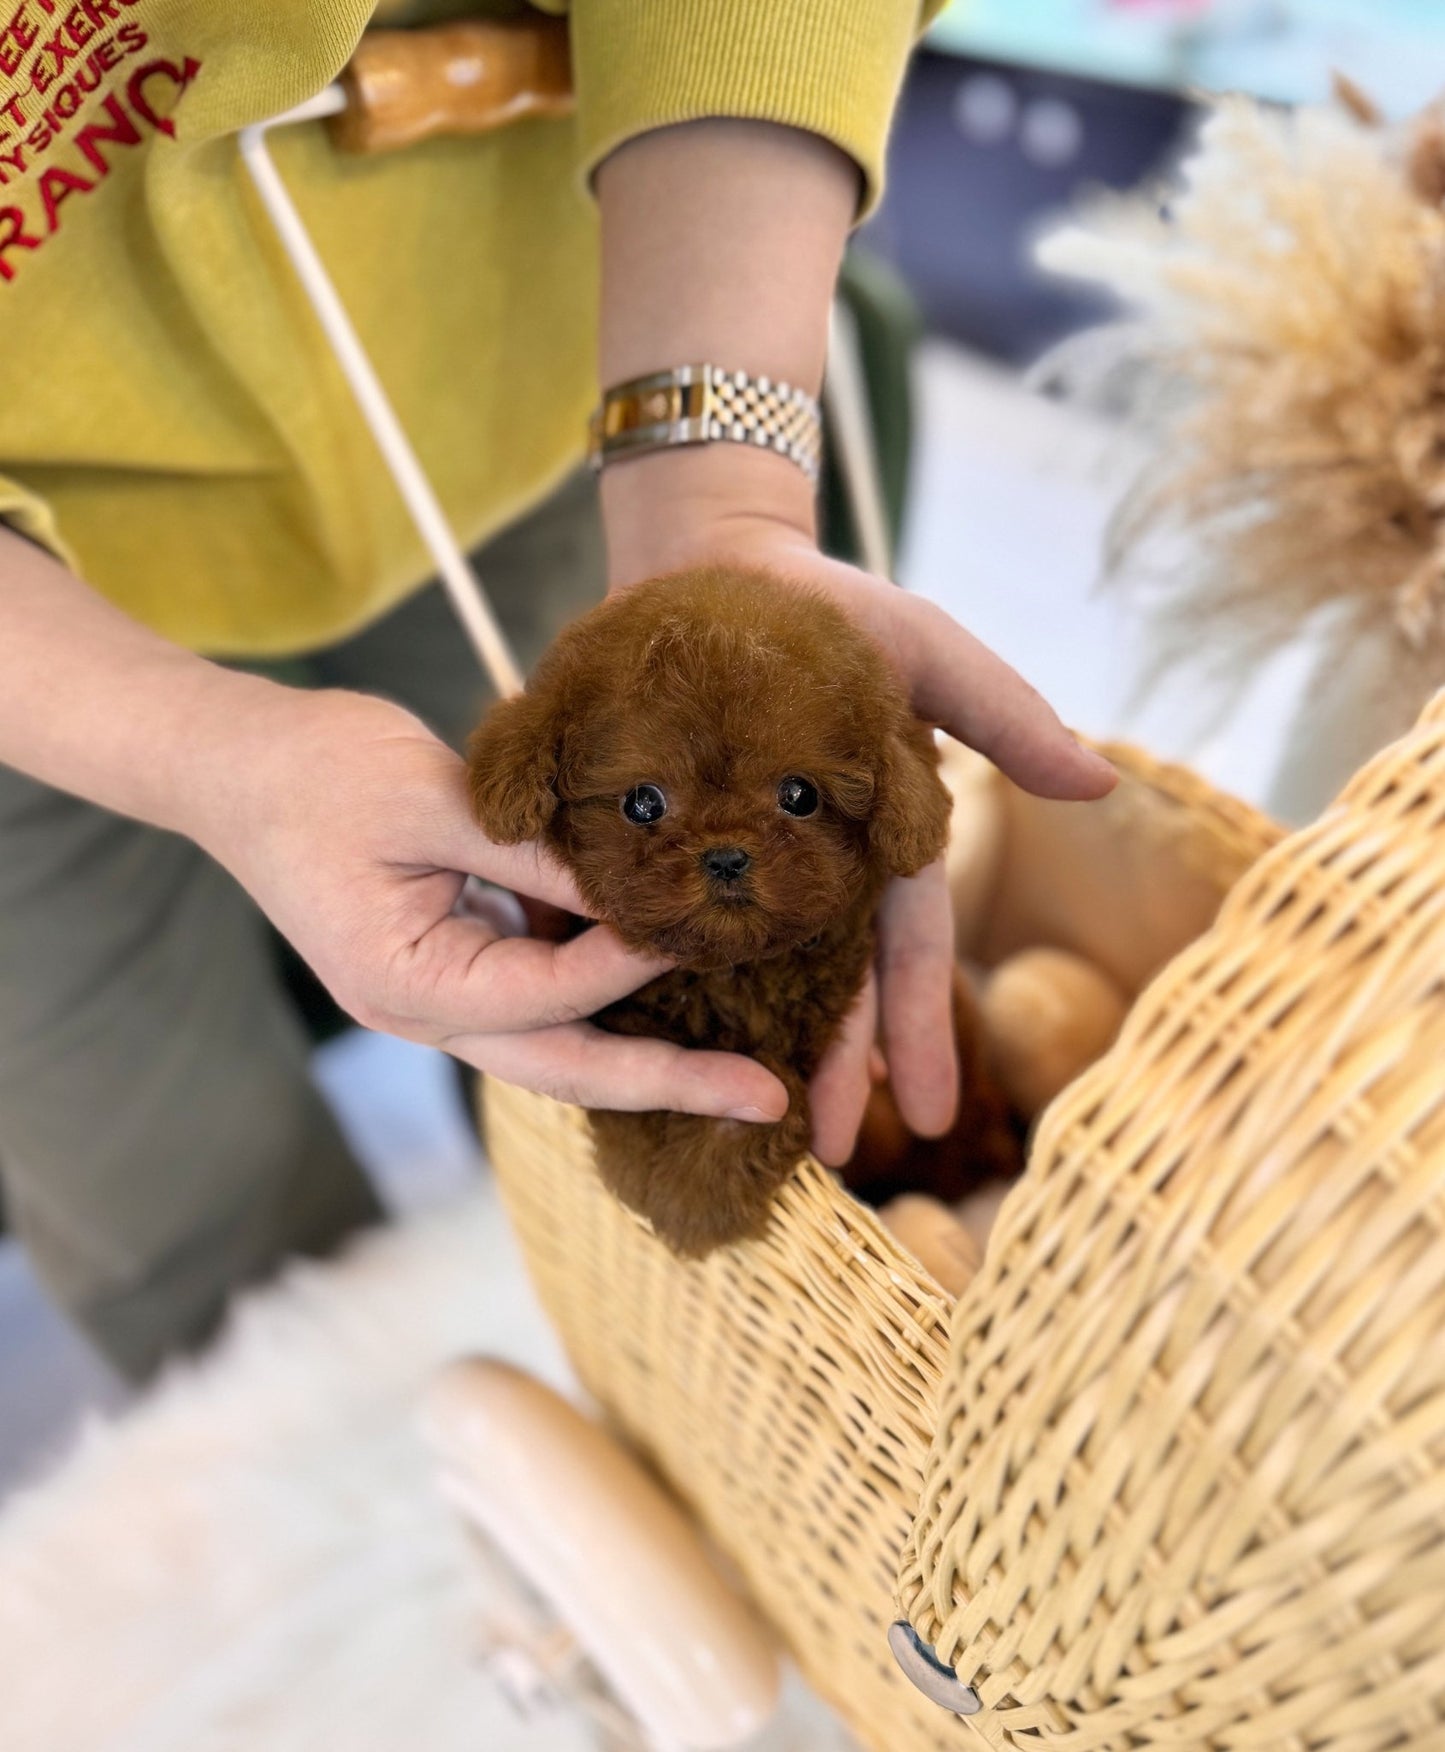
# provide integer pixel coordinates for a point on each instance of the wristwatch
(704, 404)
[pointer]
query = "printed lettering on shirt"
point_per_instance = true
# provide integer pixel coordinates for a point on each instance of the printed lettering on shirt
(80, 85)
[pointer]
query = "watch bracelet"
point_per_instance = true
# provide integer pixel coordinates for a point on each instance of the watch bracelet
(705, 404)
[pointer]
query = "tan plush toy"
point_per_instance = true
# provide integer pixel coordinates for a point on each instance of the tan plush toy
(1047, 1015)
(936, 1239)
(984, 1142)
(1042, 1017)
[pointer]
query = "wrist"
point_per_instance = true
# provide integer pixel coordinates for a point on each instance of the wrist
(672, 509)
(270, 759)
(254, 754)
(221, 752)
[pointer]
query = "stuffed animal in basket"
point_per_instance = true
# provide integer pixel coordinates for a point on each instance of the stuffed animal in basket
(732, 773)
(985, 1142)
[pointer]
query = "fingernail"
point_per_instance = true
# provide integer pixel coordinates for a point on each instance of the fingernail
(1101, 764)
(1086, 748)
(753, 1115)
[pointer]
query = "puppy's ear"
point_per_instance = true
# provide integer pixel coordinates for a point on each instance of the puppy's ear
(909, 824)
(512, 761)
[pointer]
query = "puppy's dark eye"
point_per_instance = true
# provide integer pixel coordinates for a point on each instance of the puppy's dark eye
(797, 796)
(643, 805)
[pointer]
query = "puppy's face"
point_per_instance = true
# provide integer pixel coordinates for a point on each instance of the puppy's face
(724, 764)
(721, 834)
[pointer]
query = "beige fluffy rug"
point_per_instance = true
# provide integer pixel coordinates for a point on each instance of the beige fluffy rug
(254, 1559)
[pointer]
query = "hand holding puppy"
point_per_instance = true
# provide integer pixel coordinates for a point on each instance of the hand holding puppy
(349, 824)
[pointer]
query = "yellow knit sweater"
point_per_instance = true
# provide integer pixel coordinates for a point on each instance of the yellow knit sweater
(170, 418)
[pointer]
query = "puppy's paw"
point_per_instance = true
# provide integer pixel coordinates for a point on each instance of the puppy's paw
(701, 1183)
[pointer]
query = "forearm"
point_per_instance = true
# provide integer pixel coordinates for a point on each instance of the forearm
(721, 242)
(93, 703)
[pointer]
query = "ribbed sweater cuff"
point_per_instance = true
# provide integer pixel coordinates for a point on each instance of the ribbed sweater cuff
(830, 67)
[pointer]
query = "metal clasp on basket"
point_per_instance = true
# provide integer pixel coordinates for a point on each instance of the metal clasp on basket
(938, 1683)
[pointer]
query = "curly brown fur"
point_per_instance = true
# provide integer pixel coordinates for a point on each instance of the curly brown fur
(715, 686)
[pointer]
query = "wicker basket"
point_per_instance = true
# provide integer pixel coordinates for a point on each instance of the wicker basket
(790, 1389)
(1187, 1486)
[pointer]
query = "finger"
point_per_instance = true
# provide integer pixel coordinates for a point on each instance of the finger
(915, 976)
(502, 912)
(578, 1063)
(527, 869)
(962, 685)
(547, 921)
(461, 977)
(445, 834)
(840, 1087)
(508, 914)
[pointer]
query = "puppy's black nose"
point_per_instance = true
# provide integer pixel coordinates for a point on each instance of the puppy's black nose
(725, 863)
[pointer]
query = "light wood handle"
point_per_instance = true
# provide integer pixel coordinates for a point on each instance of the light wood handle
(408, 85)
(615, 1557)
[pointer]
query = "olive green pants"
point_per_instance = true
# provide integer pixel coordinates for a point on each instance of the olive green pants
(161, 1142)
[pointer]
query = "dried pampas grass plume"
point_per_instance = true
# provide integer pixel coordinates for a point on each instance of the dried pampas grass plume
(1287, 365)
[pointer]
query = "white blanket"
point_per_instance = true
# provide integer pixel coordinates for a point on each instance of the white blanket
(254, 1558)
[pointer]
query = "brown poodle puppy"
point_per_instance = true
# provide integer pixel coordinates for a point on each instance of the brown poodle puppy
(731, 772)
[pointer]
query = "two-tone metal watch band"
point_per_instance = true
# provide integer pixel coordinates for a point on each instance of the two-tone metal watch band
(704, 404)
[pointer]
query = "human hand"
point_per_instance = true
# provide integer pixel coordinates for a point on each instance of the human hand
(677, 509)
(348, 823)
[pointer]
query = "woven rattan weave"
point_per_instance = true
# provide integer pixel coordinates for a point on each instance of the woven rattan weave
(1188, 1483)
